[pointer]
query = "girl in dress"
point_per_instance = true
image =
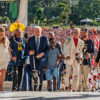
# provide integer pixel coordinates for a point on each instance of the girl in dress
(4, 56)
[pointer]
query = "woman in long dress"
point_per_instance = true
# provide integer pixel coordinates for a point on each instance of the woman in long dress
(4, 56)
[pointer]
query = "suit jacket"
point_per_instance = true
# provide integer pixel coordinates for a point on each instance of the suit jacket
(43, 47)
(70, 50)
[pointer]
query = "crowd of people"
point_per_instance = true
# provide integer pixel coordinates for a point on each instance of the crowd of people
(69, 58)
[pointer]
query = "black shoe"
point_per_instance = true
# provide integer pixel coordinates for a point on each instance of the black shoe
(35, 86)
(49, 89)
(40, 87)
(13, 89)
(73, 90)
(17, 89)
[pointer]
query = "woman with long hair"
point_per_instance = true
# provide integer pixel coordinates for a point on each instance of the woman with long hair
(4, 56)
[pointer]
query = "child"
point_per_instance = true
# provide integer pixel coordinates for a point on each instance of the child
(51, 73)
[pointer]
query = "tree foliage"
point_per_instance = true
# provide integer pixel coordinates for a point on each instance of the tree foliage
(85, 9)
(48, 9)
(57, 11)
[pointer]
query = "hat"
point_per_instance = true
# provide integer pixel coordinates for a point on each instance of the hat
(16, 25)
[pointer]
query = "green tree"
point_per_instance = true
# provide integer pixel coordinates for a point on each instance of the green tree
(85, 9)
(46, 9)
(64, 12)
(56, 8)
(4, 19)
(49, 8)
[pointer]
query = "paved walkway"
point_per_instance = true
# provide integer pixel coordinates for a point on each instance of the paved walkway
(48, 96)
(8, 86)
(44, 95)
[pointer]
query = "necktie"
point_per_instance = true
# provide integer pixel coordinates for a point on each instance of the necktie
(37, 44)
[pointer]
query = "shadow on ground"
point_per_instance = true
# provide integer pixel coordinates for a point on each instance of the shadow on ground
(83, 96)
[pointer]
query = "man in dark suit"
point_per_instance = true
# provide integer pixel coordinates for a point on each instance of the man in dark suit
(38, 46)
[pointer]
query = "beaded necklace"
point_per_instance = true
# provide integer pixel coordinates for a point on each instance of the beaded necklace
(19, 44)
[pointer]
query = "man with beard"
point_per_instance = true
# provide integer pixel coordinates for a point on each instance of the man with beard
(88, 51)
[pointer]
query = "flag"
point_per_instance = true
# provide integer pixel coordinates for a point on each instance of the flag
(96, 42)
(13, 9)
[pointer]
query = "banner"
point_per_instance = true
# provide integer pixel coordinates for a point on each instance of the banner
(13, 9)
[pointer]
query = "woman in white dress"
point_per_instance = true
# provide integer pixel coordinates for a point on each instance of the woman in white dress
(4, 56)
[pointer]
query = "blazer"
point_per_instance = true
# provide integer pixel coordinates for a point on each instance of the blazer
(70, 50)
(43, 48)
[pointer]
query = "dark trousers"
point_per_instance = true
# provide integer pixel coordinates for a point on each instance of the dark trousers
(17, 77)
(27, 74)
(41, 79)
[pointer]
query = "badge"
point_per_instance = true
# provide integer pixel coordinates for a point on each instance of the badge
(19, 46)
